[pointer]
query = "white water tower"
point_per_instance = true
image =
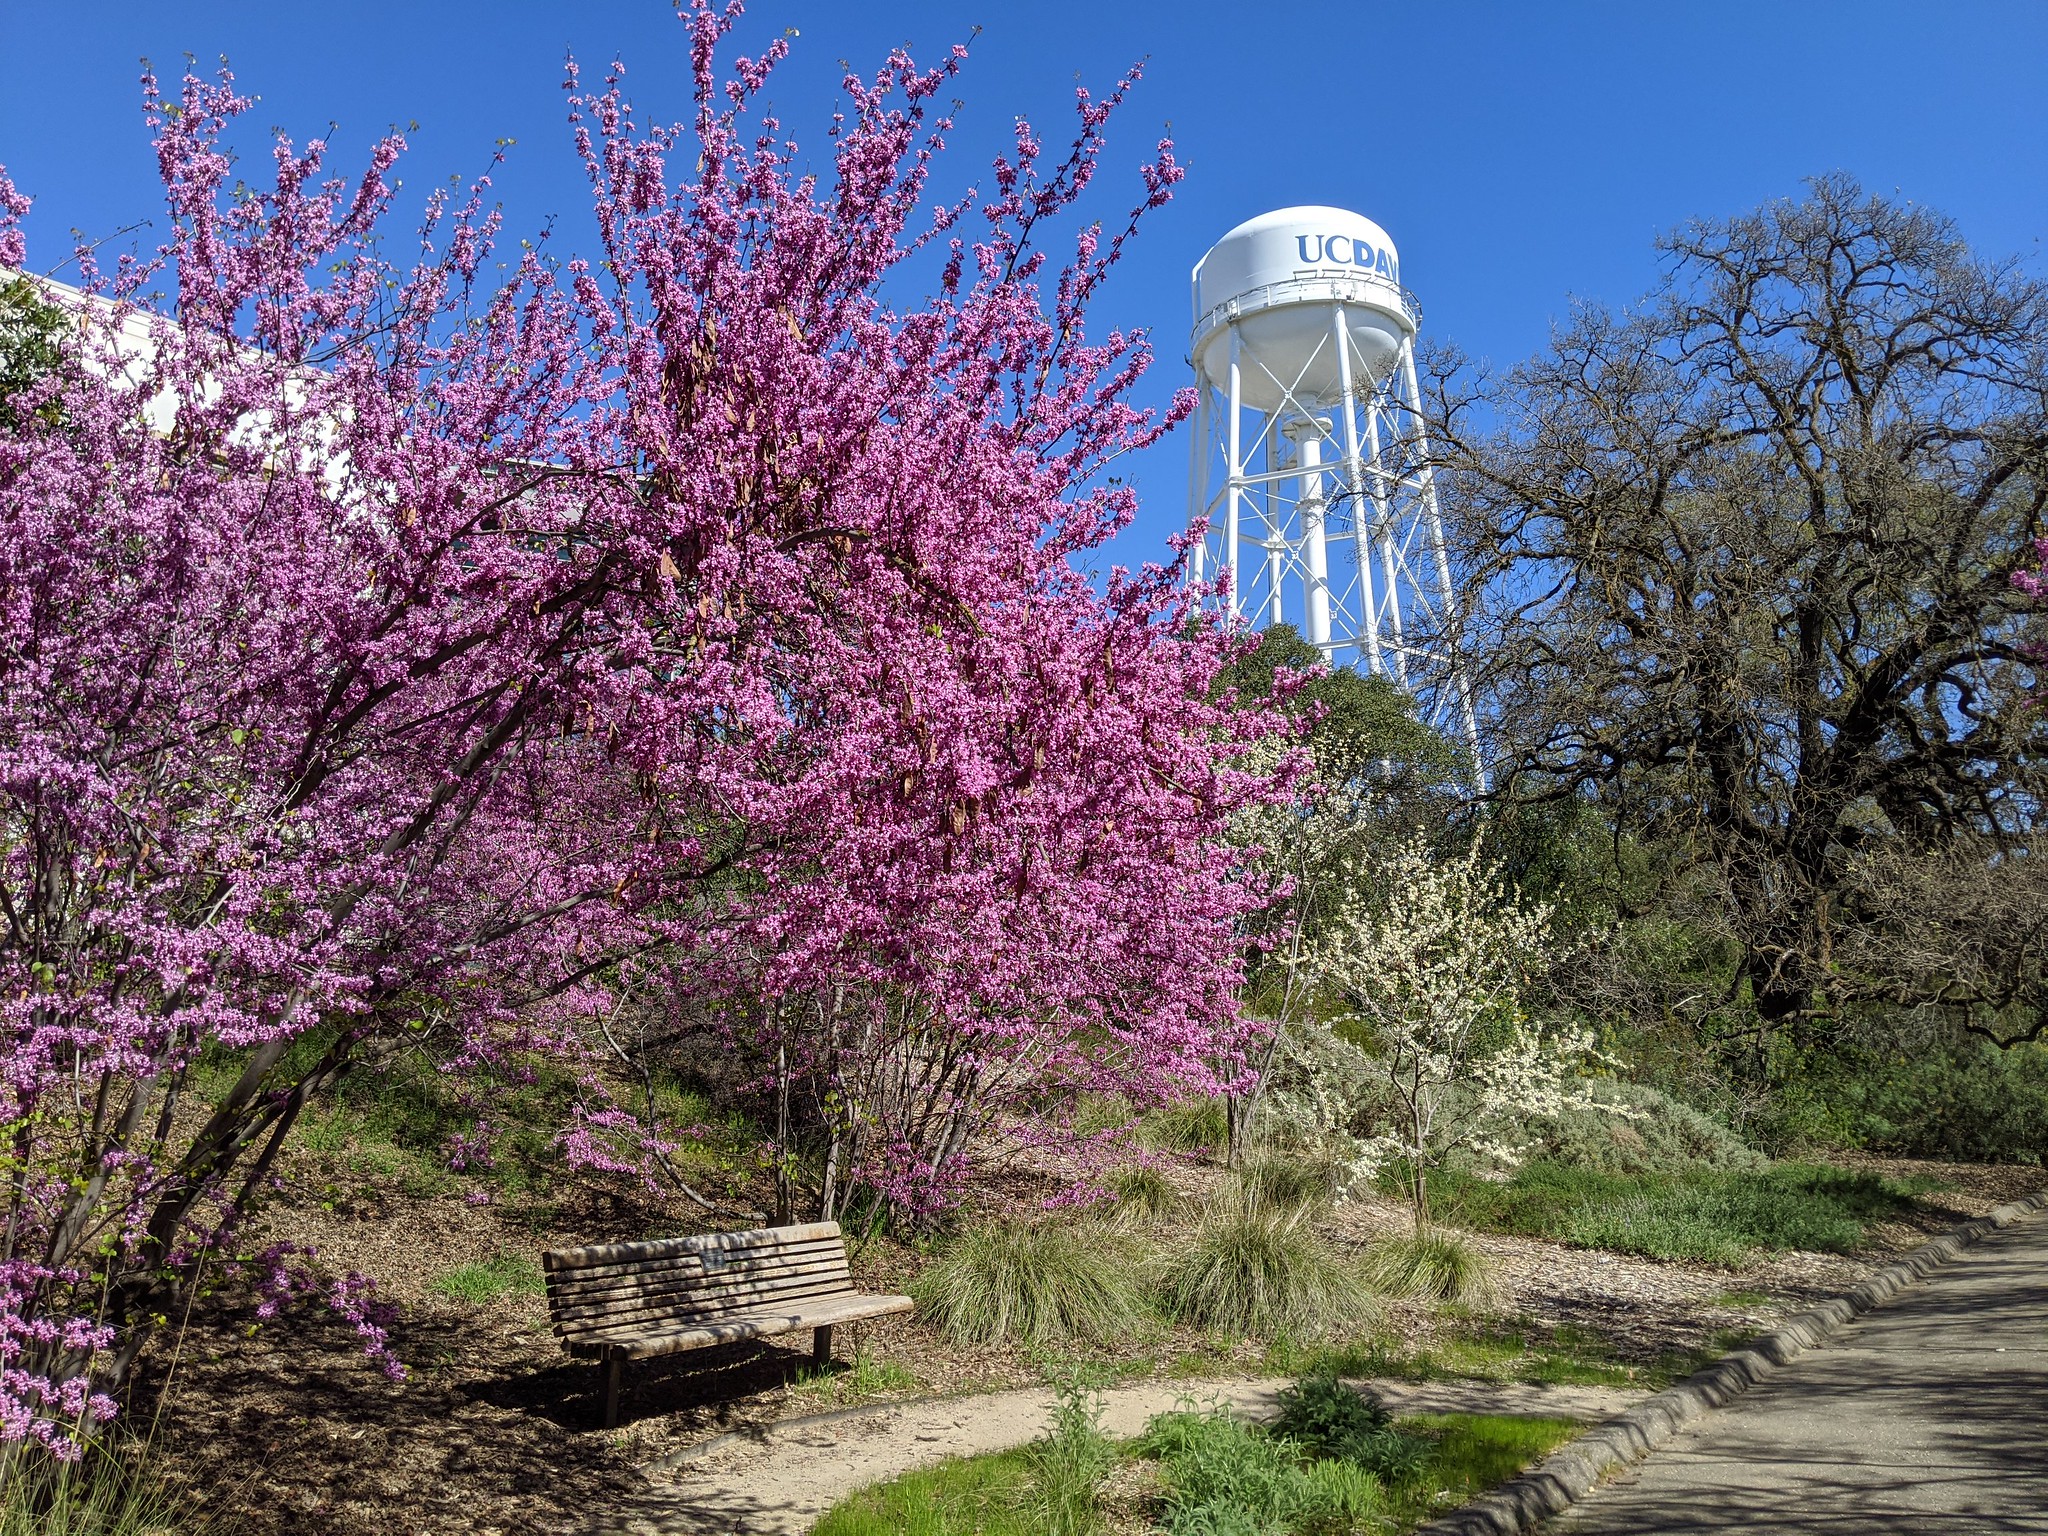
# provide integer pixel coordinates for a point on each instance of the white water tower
(1312, 477)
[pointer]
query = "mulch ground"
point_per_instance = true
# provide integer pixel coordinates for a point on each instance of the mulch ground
(282, 1427)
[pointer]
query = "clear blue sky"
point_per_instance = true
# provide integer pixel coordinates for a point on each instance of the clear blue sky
(1518, 154)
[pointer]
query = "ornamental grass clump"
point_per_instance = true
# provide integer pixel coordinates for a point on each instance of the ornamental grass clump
(1050, 1283)
(103, 1493)
(1262, 1271)
(1193, 1125)
(1144, 1193)
(1275, 1182)
(1434, 1265)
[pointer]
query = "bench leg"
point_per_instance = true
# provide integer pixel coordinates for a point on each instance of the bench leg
(821, 1347)
(612, 1362)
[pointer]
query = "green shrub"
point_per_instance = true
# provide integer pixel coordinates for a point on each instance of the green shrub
(1224, 1476)
(1069, 1465)
(505, 1274)
(1036, 1285)
(1323, 1414)
(1964, 1100)
(1433, 1265)
(1145, 1192)
(1533, 1201)
(1193, 1125)
(1331, 1420)
(1679, 1223)
(1249, 1269)
(1655, 1133)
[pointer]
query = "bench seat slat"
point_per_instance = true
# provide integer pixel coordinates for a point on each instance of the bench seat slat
(642, 1345)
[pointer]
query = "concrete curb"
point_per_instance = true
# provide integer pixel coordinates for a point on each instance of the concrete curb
(1561, 1480)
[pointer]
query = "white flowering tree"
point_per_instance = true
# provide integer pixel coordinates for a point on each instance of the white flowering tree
(1374, 770)
(1430, 958)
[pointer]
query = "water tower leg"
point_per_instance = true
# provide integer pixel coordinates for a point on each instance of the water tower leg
(1447, 592)
(1354, 479)
(1383, 536)
(1234, 472)
(1308, 432)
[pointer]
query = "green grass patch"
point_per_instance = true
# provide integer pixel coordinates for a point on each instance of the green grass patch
(1742, 1298)
(967, 1496)
(1484, 1352)
(1714, 1216)
(495, 1278)
(856, 1381)
(1218, 1475)
(1469, 1453)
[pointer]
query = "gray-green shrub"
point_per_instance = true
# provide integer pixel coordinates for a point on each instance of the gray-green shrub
(1652, 1133)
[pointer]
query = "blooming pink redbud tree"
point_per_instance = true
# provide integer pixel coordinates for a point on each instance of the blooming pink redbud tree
(423, 656)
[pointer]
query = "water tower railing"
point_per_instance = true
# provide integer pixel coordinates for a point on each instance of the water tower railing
(1306, 290)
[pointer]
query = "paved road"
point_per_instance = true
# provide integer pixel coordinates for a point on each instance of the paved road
(1929, 1415)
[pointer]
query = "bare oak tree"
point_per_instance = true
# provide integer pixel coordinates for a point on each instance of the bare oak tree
(1747, 584)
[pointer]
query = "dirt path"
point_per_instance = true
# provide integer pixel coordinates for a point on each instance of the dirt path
(778, 1482)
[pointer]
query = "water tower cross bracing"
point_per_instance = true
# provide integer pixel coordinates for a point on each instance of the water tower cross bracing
(1312, 475)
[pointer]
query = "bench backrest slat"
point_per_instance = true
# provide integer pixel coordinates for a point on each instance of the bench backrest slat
(696, 1302)
(721, 1261)
(616, 1287)
(695, 1299)
(665, 1247)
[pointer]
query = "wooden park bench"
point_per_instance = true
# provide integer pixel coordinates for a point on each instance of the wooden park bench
(631, 1301)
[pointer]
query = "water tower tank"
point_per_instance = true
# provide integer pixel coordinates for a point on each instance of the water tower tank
(1275, 278)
